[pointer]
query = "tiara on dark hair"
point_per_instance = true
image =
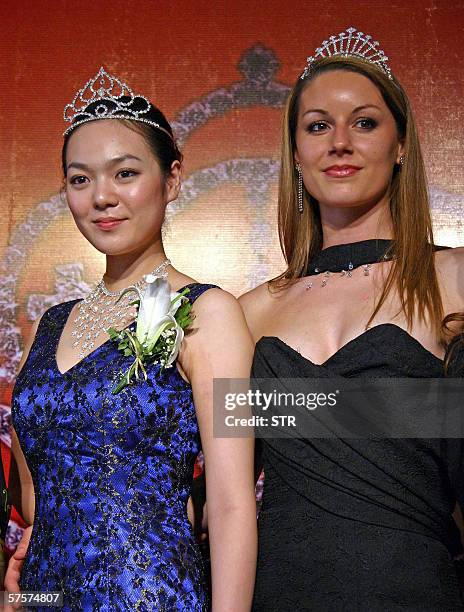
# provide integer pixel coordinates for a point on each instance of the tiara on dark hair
(106, 97)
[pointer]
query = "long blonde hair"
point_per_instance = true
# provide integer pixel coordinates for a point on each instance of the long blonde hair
(413, 270)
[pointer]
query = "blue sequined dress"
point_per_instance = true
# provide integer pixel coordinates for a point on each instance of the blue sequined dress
(112, 476)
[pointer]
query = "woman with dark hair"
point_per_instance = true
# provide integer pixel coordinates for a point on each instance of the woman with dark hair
(112, 400)
(351, 523)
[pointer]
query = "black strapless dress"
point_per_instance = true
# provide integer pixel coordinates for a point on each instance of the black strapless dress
(351, 524)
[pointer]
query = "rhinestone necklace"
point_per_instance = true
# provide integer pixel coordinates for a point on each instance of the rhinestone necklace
(348, 273)
(342, 259)
(99, 310)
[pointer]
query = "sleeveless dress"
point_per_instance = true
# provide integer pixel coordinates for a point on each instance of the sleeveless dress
(112, 476)
(358, 524)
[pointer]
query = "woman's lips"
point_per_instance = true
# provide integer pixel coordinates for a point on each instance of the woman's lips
(341, 171)
(109, 224)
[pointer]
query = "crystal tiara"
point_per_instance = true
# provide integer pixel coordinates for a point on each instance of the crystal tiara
(106, 97)
(350, 43)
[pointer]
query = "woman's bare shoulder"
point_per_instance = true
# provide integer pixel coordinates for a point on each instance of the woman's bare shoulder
(28, 344)
(450, 256)
(258, 305)
(256, 298)
(450, 268)
(179, 280)
(450, 262)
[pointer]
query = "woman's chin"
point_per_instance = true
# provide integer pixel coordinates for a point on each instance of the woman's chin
(111, 250)
(351, 201)
(342, 203)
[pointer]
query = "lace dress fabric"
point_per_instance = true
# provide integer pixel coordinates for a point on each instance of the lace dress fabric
(112, 476)
(352, 524)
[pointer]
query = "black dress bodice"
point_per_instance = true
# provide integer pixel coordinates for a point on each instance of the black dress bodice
(358, 524)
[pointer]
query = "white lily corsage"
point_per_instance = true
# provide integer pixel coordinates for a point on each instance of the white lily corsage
(162, 316)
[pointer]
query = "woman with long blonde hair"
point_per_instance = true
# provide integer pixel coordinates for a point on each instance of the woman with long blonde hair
(351, 523)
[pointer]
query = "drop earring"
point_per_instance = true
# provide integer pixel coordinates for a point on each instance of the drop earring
(300, 188)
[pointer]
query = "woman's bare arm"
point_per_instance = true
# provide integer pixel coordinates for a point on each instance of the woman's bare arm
(221, 347)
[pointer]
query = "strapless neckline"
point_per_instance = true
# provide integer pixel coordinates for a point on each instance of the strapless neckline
(366, 503)
(356, 340)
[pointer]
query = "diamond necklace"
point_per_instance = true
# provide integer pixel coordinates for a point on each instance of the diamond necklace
(341, 260)
(99, 310)
(348, 273)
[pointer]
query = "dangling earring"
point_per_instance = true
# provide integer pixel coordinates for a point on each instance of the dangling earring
(402, 159)
(300, 188)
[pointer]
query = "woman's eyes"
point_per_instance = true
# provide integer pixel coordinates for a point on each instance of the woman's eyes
(78, 180)
(126, 173)
(316, 126)
(364, 123)
(82, 180)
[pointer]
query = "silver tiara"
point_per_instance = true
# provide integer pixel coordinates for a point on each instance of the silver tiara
(116, 101)
(350, 44)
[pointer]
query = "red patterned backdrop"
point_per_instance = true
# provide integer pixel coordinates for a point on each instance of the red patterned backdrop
(220, 71)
